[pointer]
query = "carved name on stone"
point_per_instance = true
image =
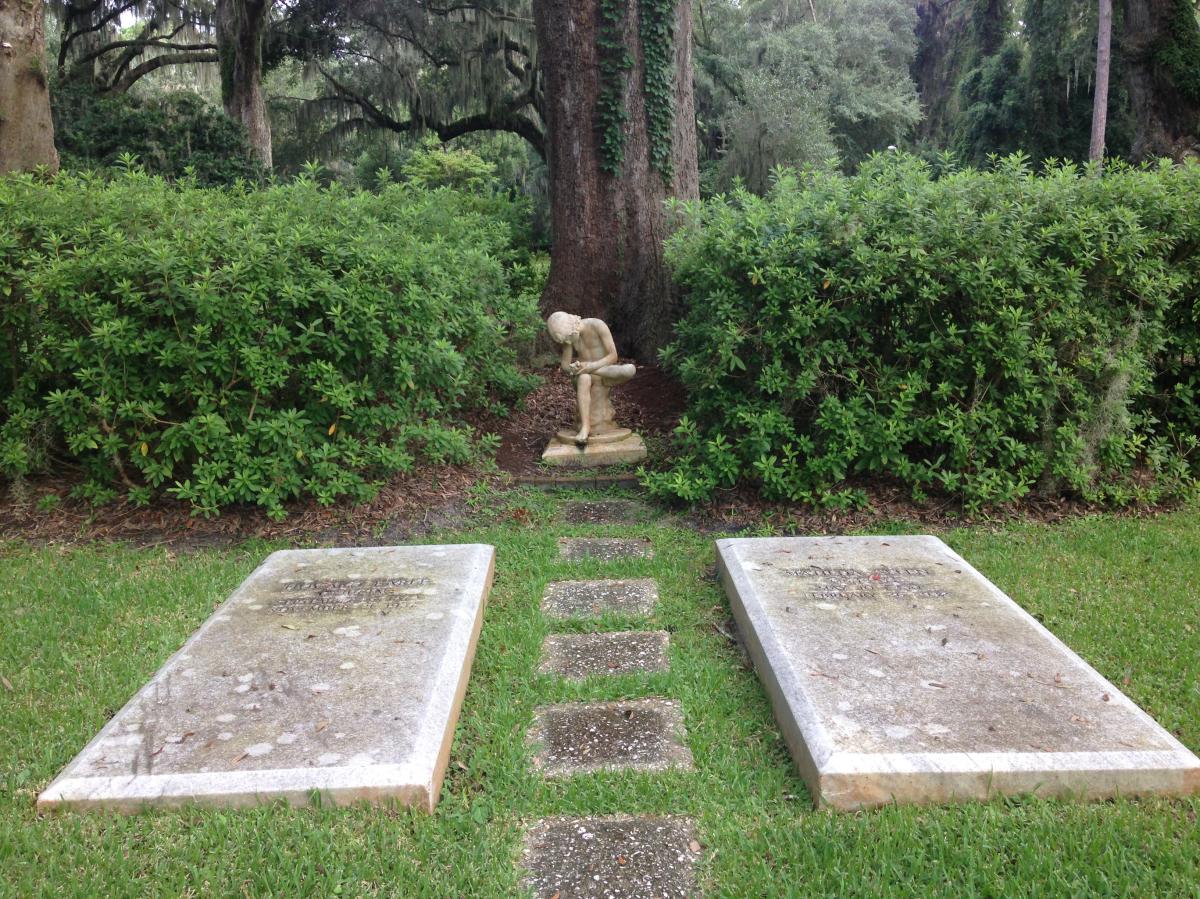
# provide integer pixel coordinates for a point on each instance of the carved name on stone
(342, 594)
(881, 583)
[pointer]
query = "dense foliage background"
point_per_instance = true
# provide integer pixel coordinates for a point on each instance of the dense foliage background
(982, 334)
(250, 346)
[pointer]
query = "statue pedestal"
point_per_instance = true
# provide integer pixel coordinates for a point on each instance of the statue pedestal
(597, 453)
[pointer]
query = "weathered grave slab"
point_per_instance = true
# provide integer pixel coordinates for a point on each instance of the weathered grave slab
(616, 857)
(335, 670)
(576, 656)
(604, 549)
(589, 599)
(584, 737)
(898, 672)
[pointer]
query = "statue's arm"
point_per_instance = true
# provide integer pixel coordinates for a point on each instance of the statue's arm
(568, 353)
(610, 348)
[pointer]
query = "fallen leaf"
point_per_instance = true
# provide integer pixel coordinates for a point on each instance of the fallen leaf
(290, 627)
(7, 683)
(694, 846)
(240, 757)
(1106, 697)
(321, 725)
(621, 859)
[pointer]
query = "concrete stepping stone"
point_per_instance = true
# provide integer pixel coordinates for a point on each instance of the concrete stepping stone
(589, 599)
(616, 857)
(632, 735)
(576, 656)
(604, 549)
(603, 511)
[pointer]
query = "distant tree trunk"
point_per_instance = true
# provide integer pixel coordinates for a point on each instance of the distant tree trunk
(241, 26)
(953, 37)
(1161, 44)
(608, 229)
(1103, 64)
(26, 130)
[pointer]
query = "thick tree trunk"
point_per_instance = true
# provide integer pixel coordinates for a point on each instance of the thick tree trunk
(26, 131)
(1100, 98)
(241, 26)
(1161, 44)
(608, 229)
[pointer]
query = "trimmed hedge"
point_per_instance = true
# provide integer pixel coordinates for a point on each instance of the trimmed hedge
(251, 346)
(982, 334)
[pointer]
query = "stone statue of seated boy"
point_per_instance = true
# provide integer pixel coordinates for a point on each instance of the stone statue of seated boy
(590, 356)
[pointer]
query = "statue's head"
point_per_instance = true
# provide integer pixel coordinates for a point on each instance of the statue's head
(563, 326)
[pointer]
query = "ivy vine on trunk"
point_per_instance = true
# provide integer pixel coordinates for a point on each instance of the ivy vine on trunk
(657, 33)
(656, 38)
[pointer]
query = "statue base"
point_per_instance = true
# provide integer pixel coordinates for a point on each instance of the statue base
(598, 452)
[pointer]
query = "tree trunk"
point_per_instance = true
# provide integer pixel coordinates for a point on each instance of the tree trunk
(26, 131)
(608, 229)
(241, 26)
(1103, 64)
(1161, 43)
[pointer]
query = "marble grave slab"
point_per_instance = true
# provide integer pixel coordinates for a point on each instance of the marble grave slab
(339, 671)
(898, 672)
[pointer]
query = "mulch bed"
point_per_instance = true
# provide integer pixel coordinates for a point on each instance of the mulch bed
(406, 508)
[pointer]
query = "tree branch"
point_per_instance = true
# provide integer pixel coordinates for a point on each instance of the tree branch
(164, 43)
(167, 59)
(507, 119)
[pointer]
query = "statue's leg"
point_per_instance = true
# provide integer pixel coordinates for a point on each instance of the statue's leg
(617, 374)
(583, 392)
(601, 422)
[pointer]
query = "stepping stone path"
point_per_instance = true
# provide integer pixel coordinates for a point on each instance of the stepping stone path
(621, 857)
(584, 737)
(605, 549)
(617, 856)
(576, 656)
(591, 599)
(603, 511)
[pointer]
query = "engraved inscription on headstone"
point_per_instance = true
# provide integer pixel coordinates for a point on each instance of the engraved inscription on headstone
(899, 673)
(885, 582)
(343, 594)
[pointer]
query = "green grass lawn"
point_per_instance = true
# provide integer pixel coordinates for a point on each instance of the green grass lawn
(83, 628)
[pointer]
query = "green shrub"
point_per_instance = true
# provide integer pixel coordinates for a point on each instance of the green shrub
(982, 334)
(171, 135)
(243, 346)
